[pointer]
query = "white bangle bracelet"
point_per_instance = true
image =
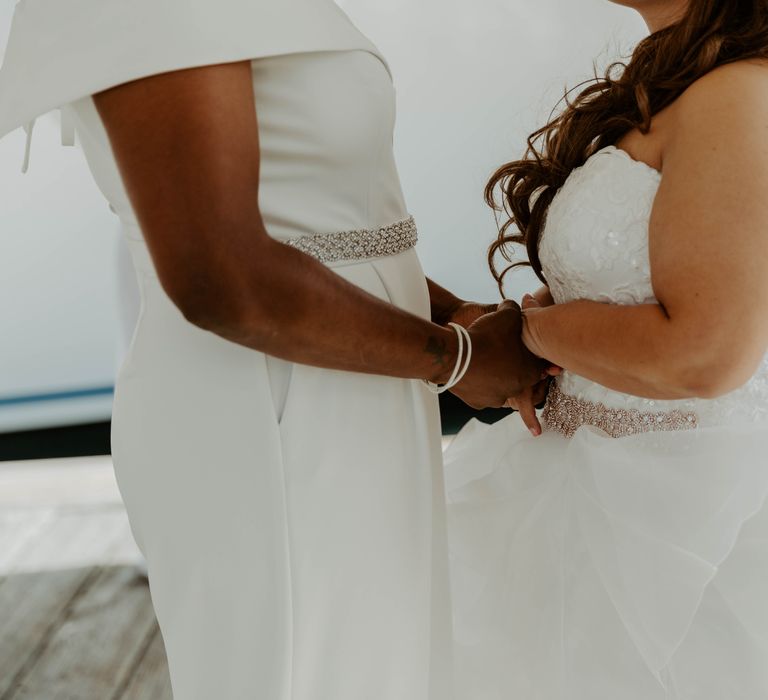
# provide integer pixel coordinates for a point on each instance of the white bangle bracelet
(468, 357)
(462, 361)
(435, 388)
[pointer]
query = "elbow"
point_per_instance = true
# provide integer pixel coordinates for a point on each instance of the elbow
(231, 296)
(713, 375)
(206, 314)
(196, 298)
(213, 306)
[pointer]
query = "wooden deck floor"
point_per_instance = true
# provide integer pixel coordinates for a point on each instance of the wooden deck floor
(76, 620)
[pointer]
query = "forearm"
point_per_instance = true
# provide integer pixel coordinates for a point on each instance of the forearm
(634, 349)
(186, 144)
(284, 303)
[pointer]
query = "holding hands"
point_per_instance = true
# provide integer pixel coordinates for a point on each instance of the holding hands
(504, 370)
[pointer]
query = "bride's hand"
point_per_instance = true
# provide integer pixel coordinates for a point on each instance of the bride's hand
(527, 402)
(542, 295)
(530, 305)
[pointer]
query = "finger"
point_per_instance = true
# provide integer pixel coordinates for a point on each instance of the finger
(508, 304)
(554, 371)
(484, 309)
(528, 414)
(540, 393)
(530, 302)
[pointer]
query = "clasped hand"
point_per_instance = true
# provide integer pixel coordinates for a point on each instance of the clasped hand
(503, 372)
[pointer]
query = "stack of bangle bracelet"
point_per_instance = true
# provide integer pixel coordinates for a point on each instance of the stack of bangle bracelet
(463, 358)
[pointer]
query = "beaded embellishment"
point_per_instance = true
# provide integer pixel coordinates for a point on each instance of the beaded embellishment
(565, 414)
(358, 244)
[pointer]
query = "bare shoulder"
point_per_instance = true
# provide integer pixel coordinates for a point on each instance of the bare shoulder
(736, 90)
(729, 79)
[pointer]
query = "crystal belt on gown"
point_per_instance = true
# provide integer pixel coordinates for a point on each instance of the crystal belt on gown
(326, 247)
(565, 414)
(358, 244)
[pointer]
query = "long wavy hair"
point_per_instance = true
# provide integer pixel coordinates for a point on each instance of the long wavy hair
(711, 34)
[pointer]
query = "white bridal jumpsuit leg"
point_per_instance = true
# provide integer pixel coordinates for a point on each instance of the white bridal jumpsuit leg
(292, 518)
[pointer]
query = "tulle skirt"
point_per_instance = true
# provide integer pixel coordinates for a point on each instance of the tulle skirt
(596, 568)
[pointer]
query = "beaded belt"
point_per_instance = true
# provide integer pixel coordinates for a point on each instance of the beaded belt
(565, 414)
(358, 244)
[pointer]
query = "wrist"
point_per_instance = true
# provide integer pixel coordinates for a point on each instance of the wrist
(531, 334)
(442, 349)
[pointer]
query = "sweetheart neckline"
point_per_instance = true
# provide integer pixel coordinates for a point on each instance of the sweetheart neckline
(627, 156)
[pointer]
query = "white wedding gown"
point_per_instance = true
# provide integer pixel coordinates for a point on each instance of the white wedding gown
(593, 567)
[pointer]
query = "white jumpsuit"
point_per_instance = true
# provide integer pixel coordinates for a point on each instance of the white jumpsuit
(292, 518)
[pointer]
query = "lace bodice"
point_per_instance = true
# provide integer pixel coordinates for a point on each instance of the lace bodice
(595, 246)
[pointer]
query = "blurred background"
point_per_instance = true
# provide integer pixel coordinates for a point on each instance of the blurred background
(473, 79)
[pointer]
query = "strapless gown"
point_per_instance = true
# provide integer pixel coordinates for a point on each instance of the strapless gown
(623, 555)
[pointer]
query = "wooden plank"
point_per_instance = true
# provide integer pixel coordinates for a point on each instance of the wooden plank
(94, 650)
(43, 578)
(40, 582)
(62, 611)
(150, 681)
(73, 539)
(18, 528)
(31, 608)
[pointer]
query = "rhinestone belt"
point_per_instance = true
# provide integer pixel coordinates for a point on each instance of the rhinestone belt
(358, 244)
(565, 414)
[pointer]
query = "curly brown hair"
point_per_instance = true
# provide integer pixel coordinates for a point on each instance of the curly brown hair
(712, 33)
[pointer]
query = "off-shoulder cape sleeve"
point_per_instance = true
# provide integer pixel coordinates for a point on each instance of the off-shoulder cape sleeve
(59, 51)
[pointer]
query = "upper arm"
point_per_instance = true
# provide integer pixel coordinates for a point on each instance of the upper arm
(186, 144)
(709, 227)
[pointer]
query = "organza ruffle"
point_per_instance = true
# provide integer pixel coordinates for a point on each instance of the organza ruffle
(609, 568)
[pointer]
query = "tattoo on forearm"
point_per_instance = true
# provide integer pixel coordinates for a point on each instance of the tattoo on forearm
(438, 349)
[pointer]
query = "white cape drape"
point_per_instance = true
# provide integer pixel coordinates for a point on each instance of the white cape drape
(58, 52)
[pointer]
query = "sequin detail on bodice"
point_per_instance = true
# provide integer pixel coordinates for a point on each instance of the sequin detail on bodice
(595, 246)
